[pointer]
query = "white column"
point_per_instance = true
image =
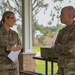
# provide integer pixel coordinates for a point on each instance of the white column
(27, 25)
(26, 60)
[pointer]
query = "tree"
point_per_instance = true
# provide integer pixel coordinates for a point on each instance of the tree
(37, 5)
(16, 7)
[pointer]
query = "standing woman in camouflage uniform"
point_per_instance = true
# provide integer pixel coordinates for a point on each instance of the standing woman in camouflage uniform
(65, 42)
(8, 40)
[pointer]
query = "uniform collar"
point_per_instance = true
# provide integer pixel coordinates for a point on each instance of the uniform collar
(5, 31)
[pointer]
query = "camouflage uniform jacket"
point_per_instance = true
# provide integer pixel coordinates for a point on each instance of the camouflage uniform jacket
(65, 46)
(6, 39)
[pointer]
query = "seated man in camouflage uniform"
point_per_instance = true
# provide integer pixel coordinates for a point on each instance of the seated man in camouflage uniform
(8, 38)
(65, 42)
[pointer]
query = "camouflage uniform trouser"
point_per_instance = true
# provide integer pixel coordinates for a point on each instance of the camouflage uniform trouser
(66, 71)
(9, 72)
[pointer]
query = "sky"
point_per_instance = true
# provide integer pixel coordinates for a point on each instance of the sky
(0, 1)
(43, 19)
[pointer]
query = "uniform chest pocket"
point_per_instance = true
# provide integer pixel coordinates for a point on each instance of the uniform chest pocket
(6, 40)
(66, 37)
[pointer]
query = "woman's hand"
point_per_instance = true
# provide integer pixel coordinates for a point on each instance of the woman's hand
(14, 48)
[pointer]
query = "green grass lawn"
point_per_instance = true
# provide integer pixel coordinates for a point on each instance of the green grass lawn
(41, 68)
(40, 65)
(36, 48)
